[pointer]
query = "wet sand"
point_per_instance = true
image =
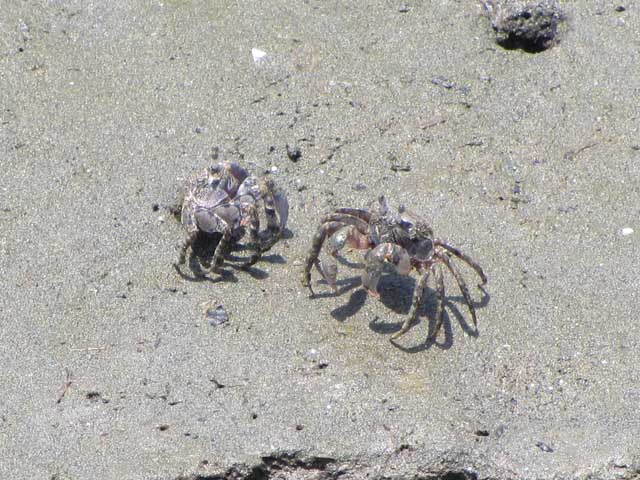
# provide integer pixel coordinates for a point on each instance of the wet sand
(526, 162)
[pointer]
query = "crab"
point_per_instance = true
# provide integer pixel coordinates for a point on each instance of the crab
(224, 199)
(401, 239)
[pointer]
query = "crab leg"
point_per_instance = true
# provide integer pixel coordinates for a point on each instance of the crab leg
(355, 212)
(276, 210)
(222, 248)
(347, 219)
(270, 208)
(441, 298)
(465, 258)
(320, 236)
(281, 205)
(348, 235)
(254, 229)
(462, 285)
(418, 298)
(184, 246)
(272, 218)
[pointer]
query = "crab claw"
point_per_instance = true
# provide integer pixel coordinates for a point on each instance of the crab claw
(384, 205)
(401, 260)
(370, 282)
(372, 273)
(282, 207)
(238, 172)
(374, 264)
(329, 271)
(249, 187)
(232, 178)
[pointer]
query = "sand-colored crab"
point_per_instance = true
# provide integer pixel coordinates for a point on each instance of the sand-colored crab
(224, 200)
(400, 238)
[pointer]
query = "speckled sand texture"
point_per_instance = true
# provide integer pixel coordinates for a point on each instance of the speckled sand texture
(527, 162)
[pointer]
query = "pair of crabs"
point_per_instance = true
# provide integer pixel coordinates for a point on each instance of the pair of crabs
(225, 198)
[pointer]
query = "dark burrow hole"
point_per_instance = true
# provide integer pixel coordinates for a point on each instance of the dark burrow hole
(290, 466)
(460, 476)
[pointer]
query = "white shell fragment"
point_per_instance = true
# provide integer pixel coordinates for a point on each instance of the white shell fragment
(626, 231)
(257, 54)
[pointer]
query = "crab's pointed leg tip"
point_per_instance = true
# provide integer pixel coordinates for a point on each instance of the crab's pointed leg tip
(396, 336)
(373, 293)
(311, 292)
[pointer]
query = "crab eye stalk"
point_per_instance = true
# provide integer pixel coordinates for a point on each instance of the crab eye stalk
(214, 170)
(408, 227)
(374, 234)
(384, 205)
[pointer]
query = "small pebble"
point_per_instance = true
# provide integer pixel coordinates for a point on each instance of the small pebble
(626, 231)
(216, 316)
(442, 82)
(544, 447)
(294, 153)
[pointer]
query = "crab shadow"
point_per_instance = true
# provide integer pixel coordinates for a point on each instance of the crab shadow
(200, 275)
(202, 252)
(344, 285)
(396, 293)
(287, 234)
(356, 300)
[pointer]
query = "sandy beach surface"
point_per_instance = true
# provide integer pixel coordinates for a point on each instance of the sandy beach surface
(529, 163)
